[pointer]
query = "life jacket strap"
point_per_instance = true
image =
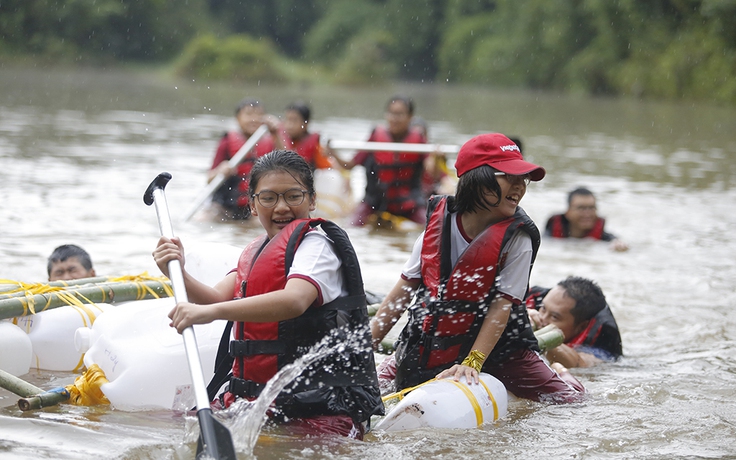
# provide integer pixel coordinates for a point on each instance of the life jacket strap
(256, 347)
(245, 388)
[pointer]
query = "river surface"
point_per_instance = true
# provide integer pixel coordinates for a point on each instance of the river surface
(79, 148)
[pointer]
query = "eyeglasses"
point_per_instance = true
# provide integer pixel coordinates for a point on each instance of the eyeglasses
(514, 179)
(292, 197)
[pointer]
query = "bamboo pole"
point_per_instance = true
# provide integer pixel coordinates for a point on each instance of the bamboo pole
(44, 399)
(32, 397)
(26, 290)
(102, 293)
(17, 386)
(11, 286)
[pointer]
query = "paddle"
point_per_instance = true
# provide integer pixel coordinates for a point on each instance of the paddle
(215, 440)
(220, 178)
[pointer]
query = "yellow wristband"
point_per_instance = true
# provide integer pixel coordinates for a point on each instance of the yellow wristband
(475, 360)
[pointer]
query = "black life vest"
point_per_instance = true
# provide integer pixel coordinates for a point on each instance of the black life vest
(348, 385)
(394, 179)
(452, 301)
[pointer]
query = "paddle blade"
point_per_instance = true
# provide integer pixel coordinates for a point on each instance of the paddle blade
(215, 440)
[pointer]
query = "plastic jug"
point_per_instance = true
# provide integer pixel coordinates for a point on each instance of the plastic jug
(142, 356)
(448, 404)
(15, 349)
(52, 335)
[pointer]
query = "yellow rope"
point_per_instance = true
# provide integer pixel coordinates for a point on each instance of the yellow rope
(402, 393)
(31, 289)
(471, 399)
(493, 400)
(67, 295)
(87, 388)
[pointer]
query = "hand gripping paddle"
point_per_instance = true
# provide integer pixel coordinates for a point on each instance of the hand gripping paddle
(215, 440)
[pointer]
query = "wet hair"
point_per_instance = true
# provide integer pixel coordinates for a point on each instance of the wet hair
(588, 297)
(247, 102)
(406, 100)
(301, 108)
(580, 191)
(473, 189)
(67, 251)
(287, 161)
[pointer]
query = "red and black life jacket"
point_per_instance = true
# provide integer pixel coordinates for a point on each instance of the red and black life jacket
(559, 227)
(394, 179)
(601, 332)
(307, 147)
(452, 301)
(349, 384)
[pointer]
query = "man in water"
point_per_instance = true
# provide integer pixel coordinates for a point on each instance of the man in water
(578, 307)
(69, 262)
(582, 221)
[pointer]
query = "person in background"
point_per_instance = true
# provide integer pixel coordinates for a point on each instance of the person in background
(231, 198)
(437, 179)
(578, 307)
(293, 287)
(69, 262)
(581, 220)
(466, 279)
(393, 179)
(300, 140)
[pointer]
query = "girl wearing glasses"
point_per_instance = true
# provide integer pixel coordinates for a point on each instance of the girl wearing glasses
(293, 286)
(467, 276)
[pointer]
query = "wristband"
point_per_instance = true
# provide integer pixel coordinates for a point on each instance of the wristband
(475, 360)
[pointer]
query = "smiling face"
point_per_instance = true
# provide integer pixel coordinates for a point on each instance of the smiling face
(276, 218)
(557, 309)
(513, 189)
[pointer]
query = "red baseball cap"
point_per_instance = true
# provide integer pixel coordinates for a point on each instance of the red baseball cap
(498, 152)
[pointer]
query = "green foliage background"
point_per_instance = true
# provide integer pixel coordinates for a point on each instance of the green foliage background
(649, 48)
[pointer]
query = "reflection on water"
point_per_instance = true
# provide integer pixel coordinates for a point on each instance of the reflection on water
(78, 150)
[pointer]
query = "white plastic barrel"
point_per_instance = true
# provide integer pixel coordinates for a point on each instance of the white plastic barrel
(15, 349)
(142, 356)
(52, 335)
(448, 404)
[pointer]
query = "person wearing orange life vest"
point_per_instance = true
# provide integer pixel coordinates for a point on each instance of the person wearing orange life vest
(231, 198)
(295, 286)
(578, 307)
(467, 276)
(300, 140)
(581, 221)
(393, 179)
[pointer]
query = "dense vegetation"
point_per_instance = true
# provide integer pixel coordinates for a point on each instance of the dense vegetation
(651, 48)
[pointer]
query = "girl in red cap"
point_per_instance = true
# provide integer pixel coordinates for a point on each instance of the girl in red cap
(466, 279)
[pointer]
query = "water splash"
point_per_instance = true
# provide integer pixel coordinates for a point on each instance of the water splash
(246, 419)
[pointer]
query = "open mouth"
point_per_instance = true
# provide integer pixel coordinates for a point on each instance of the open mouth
(283, 221)
(513, 199)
